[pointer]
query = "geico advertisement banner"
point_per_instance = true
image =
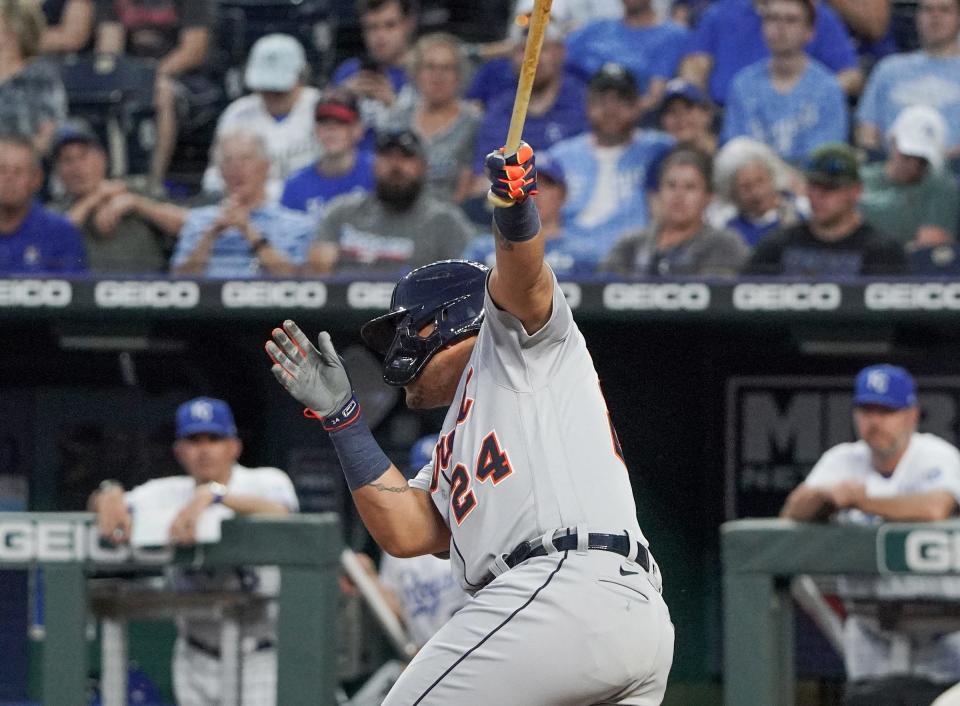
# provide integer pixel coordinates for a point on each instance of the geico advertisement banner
(26, 540)
(778, 427)
(918, 549)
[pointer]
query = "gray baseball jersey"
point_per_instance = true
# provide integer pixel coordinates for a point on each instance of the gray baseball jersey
(527, 448)
(528, 445)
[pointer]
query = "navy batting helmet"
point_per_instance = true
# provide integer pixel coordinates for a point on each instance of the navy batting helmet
(448, 294)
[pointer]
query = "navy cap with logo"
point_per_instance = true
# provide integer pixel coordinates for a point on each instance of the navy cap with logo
(205, 415)
(682, 89)
(885, 385)
(72, 133)
(614, 77)
(404, 140)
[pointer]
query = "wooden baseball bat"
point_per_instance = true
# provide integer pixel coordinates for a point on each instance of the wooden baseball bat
(531, 57)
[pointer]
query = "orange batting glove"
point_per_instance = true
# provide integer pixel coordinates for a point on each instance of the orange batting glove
(513, 178)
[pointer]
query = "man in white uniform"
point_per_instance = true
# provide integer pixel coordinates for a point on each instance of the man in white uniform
(208, 448)
(893, 473)
(527, 488)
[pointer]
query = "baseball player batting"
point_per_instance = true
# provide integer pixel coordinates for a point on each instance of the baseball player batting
(527, 488)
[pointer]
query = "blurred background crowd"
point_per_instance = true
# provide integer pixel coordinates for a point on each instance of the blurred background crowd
(232, 138)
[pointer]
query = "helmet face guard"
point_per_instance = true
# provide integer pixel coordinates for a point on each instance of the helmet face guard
(446, 296)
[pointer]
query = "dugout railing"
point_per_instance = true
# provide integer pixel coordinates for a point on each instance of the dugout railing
(306, 548)
(761, 555)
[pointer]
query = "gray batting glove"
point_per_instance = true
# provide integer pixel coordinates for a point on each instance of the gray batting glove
(315, 377)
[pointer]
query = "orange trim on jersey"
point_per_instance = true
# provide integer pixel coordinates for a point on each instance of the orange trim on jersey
(489, 457)
(463, 500)
(445, 449)
(435, 480)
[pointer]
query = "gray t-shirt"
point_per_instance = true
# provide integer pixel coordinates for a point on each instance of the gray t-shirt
(374, 237)
(448, 151)
(710, 252)
(135, 246)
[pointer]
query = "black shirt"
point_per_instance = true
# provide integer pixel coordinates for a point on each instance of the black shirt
(797, 251)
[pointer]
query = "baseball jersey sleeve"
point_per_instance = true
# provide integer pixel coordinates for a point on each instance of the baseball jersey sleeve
(275, 485)
(526, 362)
(835, 466)
(421, 481)
(942, 468)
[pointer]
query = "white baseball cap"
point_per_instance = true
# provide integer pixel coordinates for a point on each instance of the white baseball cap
(920, 131)
(276, 63)
(557, 28)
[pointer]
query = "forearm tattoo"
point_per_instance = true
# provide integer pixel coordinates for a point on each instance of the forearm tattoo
(390, 488)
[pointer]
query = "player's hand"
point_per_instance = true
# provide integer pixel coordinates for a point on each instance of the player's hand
(848, 494)
(114, 521)
(315, 377)
(512, 178)
(183, 529)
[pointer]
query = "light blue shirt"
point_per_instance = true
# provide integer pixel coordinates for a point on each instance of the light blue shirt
(288, 231)
(793, 124)
(578, 158)
(573, 253)
(649, 52)
(917, 78)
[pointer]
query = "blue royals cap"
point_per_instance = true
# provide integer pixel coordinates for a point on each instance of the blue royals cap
(681, 88)
(885, 385)
(205, 415)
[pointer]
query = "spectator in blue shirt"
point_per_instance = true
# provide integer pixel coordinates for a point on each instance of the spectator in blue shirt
(33, 240)
(379, 76)
(607, 168)
(343, 167)
(244, 235)
(557, 104)
(790, 102)
(649, 48)
(729, 38)
(930, 76)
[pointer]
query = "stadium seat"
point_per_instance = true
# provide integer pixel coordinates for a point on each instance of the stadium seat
(114, 94)
(310, 21)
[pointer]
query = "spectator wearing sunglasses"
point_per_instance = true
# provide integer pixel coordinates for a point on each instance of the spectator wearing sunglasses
(836, 241)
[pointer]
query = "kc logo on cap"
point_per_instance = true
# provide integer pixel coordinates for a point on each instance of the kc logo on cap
(201, 410)
(885, 386)
(205, 415)
(878, 381)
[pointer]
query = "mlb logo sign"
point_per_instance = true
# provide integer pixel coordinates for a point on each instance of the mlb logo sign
(777, 427)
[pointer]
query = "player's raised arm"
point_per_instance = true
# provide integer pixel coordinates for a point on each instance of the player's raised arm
(520, 282)
(402, 520)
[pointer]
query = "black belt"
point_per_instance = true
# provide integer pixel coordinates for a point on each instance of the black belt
(616, 543)
(215, 651)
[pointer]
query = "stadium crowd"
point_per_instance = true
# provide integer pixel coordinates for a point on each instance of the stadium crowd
(811, 138)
